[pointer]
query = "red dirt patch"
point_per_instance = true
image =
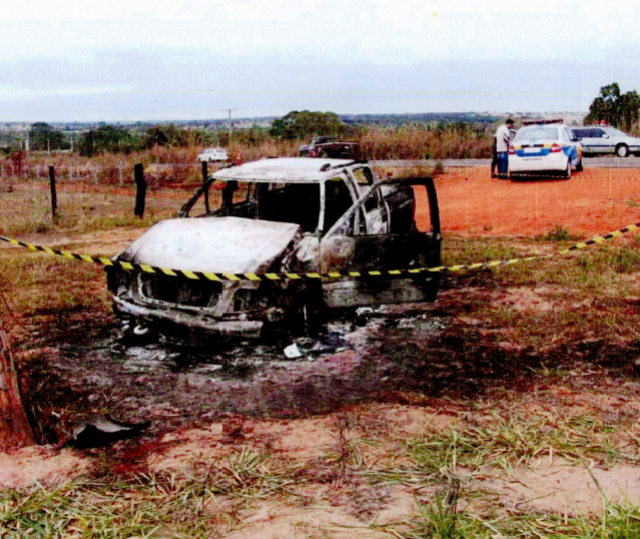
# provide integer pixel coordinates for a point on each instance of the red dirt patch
(595, 201)
(561, 488)
(31, 465)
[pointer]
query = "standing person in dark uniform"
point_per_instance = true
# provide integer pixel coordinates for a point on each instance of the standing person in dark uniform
(494, 157)
(503, 138)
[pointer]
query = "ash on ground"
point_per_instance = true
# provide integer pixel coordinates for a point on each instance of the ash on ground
(339, 363)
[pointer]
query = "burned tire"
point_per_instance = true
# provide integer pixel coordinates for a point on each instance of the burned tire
(622, 150)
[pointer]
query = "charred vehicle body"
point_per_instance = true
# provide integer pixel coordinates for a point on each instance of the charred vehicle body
(276, 215)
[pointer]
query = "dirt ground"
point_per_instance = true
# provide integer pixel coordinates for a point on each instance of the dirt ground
(405, 372)
(597, 200)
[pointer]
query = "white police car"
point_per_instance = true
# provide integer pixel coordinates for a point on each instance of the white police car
(545, 149)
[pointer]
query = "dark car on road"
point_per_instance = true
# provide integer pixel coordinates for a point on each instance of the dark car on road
(325, 146)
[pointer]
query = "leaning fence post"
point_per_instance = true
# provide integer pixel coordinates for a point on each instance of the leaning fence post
(52, 184)
(141, 190)
(205, 176)
(15, 430)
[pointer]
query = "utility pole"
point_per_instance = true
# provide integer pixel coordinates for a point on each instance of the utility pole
(230, 123)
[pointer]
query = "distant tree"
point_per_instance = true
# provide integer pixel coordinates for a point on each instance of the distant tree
(165, 135)
(43, 137)
(614, 108)
(301, 124)
(106, 138)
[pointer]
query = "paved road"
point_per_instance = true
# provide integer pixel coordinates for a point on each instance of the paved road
(608, 162)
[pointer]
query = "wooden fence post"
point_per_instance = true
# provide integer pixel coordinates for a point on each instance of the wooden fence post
(141, 190)
(54, 198)
(205, 176)
(15, 430)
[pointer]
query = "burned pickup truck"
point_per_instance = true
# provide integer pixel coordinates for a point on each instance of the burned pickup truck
(277, 216)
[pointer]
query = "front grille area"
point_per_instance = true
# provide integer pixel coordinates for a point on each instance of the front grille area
(180, 291)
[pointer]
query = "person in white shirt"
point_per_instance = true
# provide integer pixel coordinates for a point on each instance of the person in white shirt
(503, 138)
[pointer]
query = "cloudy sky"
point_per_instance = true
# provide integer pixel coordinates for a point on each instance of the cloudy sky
(124, 60)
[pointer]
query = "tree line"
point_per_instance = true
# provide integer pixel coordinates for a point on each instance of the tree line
(613, 107)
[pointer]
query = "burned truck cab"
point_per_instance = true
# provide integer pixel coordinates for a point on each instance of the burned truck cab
(299, 221)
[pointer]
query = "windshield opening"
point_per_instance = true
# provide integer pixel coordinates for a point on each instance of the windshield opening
(280, 202)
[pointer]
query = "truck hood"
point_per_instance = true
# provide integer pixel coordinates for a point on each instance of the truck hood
(213, 244)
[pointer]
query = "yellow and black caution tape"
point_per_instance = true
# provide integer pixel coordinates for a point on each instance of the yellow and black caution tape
(396, 273)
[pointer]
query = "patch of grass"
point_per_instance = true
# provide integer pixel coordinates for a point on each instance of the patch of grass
(246, 475)
(31, 284)
(586, 289)
(151, 505)
(497, 445)
(632, 203)
(28, 209)
(559, 233)
(502, 441)
(459, 250)
(614, 259)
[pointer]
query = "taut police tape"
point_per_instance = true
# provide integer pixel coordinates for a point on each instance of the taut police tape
(399, 273)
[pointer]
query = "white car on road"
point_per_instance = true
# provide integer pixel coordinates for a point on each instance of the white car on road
(213, 154)
(598, 140)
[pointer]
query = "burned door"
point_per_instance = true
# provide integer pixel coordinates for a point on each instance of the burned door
(379, 233)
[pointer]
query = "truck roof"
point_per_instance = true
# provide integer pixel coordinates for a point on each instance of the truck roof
(285, 169)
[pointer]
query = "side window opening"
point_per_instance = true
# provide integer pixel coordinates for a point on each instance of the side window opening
(374, 201)
(238, 199)
(402, 202)
(338, 200)
(390, 210)
(363, 177)
(377, 214)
